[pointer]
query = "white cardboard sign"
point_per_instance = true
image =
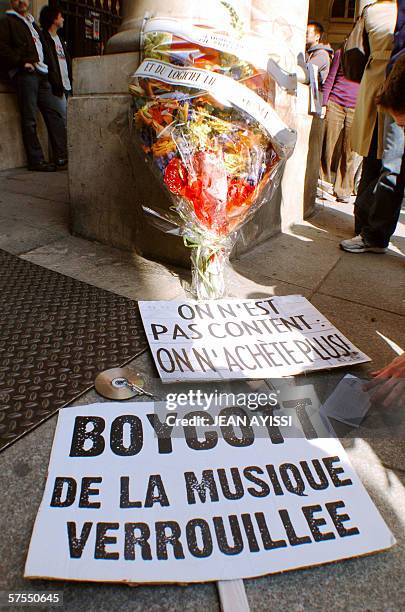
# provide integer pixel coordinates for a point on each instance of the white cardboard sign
(122, 504)
(243, 339)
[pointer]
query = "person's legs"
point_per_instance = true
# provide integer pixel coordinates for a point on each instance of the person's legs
(334, 122)
(369, 177)
(68, 94)
(53, 117)
(61, 104)
(344, 183)
(27, 87)
(385, 206)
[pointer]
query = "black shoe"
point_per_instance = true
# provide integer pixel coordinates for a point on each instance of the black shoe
(42, 166)
(343, 199)
(61, 162)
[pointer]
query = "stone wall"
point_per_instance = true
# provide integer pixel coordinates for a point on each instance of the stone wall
(12, 154)
(108, 180)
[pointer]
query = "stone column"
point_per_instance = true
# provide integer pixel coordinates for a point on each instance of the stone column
(208, 12)
(288, 20)
(286, 29)
(275, 18)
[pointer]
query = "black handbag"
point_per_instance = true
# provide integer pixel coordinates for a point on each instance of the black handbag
(356, 51)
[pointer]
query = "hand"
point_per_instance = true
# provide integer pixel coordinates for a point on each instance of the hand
(388, 384)
(29, 67)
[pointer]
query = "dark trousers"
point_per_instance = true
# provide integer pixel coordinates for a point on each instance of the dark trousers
(381, 188)
(62, 102)
(34, 92)
(337, 150)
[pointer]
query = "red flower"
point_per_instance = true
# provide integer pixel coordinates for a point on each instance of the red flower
(239, 192)
(176, 176)
(207, 189)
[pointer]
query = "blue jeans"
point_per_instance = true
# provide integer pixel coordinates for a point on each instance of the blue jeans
(62, 104)
(33, 93)
(381, 188)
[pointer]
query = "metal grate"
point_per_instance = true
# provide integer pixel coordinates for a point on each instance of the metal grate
(89, 24)
(56, 335)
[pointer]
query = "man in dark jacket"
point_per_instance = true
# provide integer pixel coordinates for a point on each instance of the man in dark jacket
(23, 54)
(317, 53)
(51, 20)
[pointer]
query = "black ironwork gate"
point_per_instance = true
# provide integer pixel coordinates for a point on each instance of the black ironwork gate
(89, 24)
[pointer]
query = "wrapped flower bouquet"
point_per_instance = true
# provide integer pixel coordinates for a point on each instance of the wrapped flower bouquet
(203, 116)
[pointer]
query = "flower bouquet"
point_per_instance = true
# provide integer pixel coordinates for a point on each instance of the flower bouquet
(204, 119)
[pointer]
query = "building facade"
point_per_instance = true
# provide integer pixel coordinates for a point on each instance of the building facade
(337, 17)
(89, 24)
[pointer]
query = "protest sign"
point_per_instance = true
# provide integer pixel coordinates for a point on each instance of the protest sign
(127, 502)
(236, 339)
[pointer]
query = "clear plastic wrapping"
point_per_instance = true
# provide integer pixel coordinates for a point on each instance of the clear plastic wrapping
(203, 115)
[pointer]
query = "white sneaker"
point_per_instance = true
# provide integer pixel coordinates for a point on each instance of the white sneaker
(357, 245)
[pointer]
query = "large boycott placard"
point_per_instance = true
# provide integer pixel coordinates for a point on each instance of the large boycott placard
(234, 339)
(127, 501)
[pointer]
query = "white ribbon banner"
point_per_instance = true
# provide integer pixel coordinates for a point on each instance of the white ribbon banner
(250, 49)
(224, 89)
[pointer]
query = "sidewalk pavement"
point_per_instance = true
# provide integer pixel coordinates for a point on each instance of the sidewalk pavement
(362, 295)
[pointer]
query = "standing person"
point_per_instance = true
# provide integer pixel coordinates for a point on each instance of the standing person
(399, 36)
(317, 53)
(51, 20)
(339, 98)
(392, 98)
(23, 54)
(377, 137)
(388, 384)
